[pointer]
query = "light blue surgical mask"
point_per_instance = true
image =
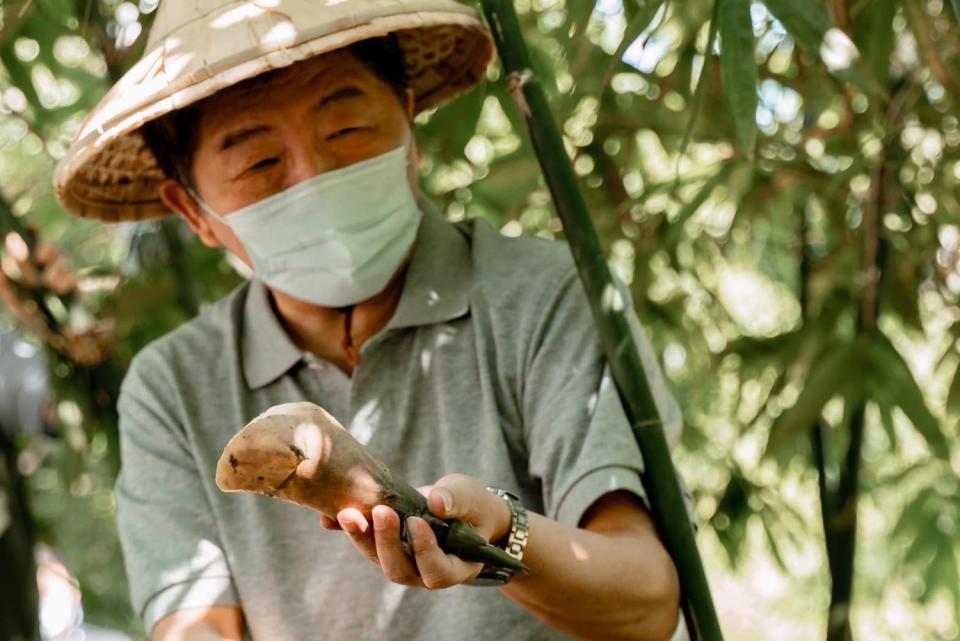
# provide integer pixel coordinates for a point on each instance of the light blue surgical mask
(334, 239)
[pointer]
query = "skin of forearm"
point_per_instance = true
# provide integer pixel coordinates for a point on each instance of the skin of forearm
(197, 633)
(611, 586)
(213, 624)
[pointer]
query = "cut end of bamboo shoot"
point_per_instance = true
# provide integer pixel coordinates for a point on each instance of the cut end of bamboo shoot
(267, 451)
(299, 453)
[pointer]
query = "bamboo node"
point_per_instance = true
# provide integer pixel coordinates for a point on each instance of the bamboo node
(515, 82)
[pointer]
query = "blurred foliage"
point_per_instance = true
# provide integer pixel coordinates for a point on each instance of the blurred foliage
(778, 184)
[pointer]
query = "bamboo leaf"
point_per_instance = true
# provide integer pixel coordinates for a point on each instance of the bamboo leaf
(827, 378)
(739, 68)
(953, 396)
(808, 23)
(578, 16)
(699, 92)
(886, 420)
(890, 375)
(544, 67)
(733, 512)
(769, 523)
(805, 21)
(903, 273)
(640, 20)
(942, 572)
(449, 130)
(675, 230)
(880, 39)
(912, 519)
(639, 23)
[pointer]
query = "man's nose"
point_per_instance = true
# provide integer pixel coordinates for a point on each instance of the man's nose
(304, 161)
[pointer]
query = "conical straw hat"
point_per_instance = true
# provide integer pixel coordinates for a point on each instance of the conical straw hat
(198, 47)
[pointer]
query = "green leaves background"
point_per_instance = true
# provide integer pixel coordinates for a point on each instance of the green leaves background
(760, 174)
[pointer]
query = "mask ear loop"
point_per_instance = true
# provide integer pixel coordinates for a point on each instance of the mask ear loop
(204, 206)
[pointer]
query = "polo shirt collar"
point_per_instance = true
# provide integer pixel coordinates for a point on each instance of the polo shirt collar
(266, 349)
(436, 289)
(437, 284)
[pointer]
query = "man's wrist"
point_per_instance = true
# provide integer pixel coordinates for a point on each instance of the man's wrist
(503, 519)
(513, 544)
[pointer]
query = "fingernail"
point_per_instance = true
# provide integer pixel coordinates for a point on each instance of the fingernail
(412, 528)
(447, 499)
(379, 520)
(348, 526)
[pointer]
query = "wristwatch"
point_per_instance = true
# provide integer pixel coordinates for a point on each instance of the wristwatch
(516, 541)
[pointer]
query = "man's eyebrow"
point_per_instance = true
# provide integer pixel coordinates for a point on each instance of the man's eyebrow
(236, 137)
(341, 93)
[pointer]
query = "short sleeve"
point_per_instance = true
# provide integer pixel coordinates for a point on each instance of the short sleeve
(580, 442)
(172, 555)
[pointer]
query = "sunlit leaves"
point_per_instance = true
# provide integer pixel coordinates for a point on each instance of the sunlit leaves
(674, 203)
(739, 68)
(809, 24)
(953, 396)
(927, 534)
(640, 23)
(892, 379)
(838, 367)
(879, 38)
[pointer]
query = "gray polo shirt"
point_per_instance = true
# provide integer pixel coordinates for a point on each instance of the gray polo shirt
(490, 367)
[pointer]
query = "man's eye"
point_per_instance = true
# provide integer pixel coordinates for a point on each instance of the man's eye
(343, 132)
(263, 164)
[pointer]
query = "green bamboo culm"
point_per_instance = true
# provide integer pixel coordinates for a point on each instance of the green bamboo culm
(660, 479)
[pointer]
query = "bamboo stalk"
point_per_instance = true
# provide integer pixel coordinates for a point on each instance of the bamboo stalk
(660, 479)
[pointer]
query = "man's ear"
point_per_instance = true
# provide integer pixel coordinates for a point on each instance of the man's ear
(178, 199)
(411, 103)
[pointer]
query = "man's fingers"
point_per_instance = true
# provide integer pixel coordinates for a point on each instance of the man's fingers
(436, 568)
(380, 542)
(16, 246)
(397, 566)
(352, 521)
(58, 277)
(47, 252)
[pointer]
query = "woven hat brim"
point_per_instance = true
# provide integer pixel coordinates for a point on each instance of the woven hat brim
(109, 174)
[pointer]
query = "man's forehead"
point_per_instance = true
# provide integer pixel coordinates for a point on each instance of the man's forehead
(255, 97)
(324, 68)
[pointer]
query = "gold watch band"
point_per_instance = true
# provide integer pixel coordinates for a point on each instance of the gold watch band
(516, 540)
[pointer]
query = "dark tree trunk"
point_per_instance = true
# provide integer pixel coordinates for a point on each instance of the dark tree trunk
(19, 617)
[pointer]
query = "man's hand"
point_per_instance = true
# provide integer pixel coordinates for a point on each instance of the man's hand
(454, 496)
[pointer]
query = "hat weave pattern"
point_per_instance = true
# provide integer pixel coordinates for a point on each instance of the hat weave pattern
(199, 47)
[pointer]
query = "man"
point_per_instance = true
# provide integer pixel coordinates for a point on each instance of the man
(460, 357)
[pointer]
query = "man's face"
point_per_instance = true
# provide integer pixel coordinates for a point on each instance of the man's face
(331, 113)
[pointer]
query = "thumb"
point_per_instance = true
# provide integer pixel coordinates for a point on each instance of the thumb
(440, 500)
(457, 496)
